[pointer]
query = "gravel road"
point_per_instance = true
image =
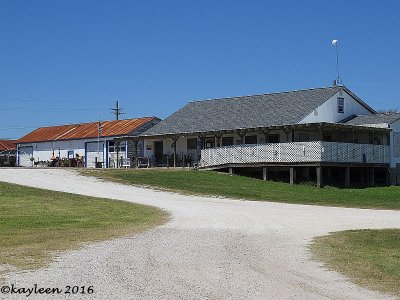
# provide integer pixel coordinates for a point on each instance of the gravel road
(213, 248)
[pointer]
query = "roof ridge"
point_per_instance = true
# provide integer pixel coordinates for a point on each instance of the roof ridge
(265, 94)
(85, 123)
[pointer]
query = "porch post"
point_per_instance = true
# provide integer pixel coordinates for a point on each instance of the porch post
(321, 134)
(174, 139)
(347, 177)
(287, 131)
(292, 175)
(117, 148)
(218, 138)
(241, 134)
(136, 142)
(266, 135)
(231, 171)
(320, 183)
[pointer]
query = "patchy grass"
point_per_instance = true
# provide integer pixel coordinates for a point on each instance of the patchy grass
(370, 258)
(221, 184)
(34, 223)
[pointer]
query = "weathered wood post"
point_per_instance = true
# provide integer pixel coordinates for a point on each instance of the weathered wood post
(320, 182)
(174, 140)
(372, 176)
(292, 175)
(265, 173)
(347, 177)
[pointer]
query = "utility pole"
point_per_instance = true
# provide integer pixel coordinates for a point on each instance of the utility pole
(117, 111)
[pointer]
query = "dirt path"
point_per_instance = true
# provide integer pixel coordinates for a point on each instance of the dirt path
(211, 249)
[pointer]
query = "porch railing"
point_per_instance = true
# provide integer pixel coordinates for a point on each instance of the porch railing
(297, 152)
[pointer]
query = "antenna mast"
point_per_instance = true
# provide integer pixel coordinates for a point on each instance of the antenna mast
(338, 80)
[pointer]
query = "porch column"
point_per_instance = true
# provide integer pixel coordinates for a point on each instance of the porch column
(347, 177)
(266, 135)
(241, 134)
(218, 138)
(231, 171)
(292, 175)
(136, 143)
(287, 132)
(174, 139)
(117, 143)
(320, 182)
(321, 134)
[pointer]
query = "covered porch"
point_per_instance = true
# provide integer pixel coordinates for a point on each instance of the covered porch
(266, 144)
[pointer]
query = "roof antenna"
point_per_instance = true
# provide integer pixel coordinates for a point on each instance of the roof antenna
(338, 80)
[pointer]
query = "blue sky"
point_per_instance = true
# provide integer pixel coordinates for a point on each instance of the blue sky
(68, 61)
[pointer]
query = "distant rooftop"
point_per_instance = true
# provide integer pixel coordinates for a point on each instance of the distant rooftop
(85, 130)
(7, 145)
(381, 118)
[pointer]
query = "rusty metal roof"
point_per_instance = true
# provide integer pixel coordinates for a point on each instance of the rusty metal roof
(7, 145)
(85, 130)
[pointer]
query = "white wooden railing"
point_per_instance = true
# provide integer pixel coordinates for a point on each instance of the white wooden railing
(297, 152)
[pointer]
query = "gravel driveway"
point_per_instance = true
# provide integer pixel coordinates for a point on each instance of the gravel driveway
(212, 248)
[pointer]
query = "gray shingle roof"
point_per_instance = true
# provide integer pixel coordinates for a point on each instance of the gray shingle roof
(244, 112)
(373, 119)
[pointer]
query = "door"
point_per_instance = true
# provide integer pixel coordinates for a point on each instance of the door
(94, 150)
(158, 150)
(24, 156)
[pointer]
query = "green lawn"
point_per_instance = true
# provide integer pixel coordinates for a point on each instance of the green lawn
(35, 222)
(221, 184)
(370, 258)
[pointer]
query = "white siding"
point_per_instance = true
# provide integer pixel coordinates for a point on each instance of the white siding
(395, 144)
(24, 156)
(328, 111)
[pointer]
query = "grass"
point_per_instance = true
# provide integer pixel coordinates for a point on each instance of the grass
(35, 223)
(370, 258)
(221, 184)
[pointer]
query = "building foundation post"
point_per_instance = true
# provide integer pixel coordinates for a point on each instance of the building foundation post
(372, 176)
(320, 182)
(292, 175)
(347, 177)
(388, 176)
(265, 173)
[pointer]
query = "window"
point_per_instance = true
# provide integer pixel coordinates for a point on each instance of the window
(191, 144)
(210, 142)
(273, 138)
(250, 139)
(227, 141)
(71, 154)
(340, 104)
(113, 148)
(304, 137)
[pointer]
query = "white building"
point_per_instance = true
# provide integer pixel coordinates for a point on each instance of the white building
(85, 143)
(300, 135)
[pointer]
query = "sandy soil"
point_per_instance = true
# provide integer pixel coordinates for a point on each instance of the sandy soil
(212, 248)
